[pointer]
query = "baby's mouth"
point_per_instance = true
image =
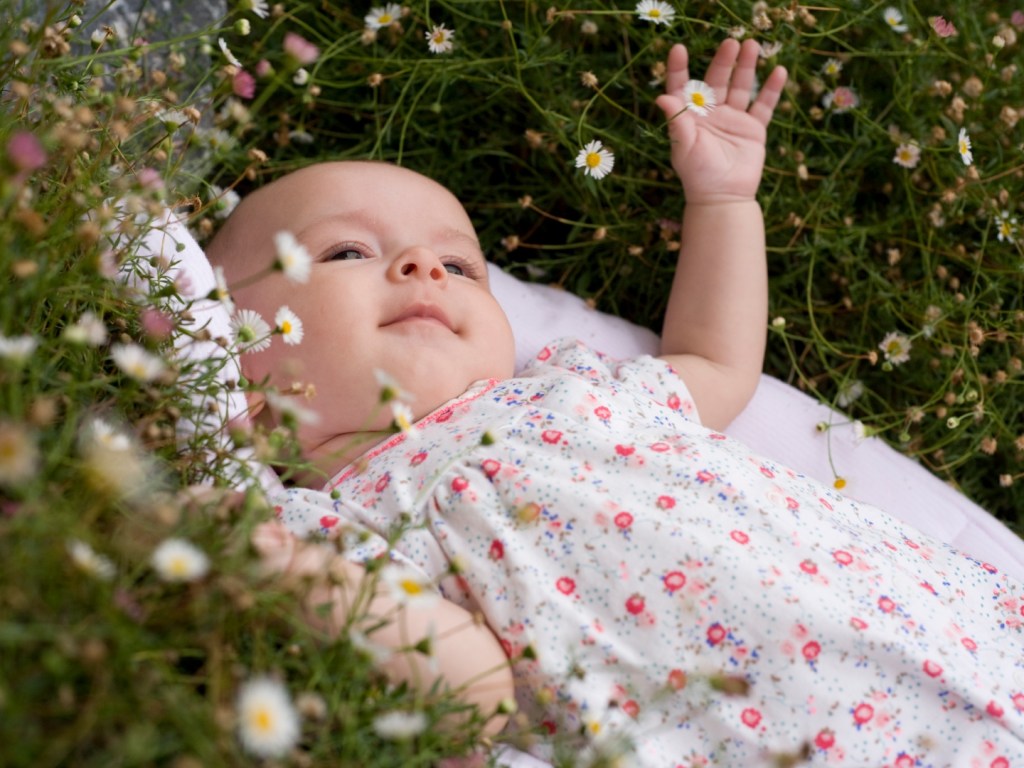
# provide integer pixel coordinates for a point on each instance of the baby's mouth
(421, 313)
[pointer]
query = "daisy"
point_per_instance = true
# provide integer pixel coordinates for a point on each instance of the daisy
(220, 290)
(301, 76)
(292, 258)
(17, 349)
(963, 146)
(849, 391)
(832, 67)
(19, 456)
(402, 418)
(655, 11)
(699, 97)
(250, 331)
(390, 389)
(87, 560)
(223, 201)
(1007, 227)
(268, 723)
(381, 17)
(227, 53)
(288, 324)
(408, 585)
(178, 560)
(896, 347)
(907, 155)
(88, 330)
(595, 160)
(842, 99)
(400, 726)
(259, 7)
(440, 39)
(136, 362)
(894, 19)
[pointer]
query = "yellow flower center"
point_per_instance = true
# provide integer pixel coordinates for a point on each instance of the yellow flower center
(654, 13)
(439, 37)
(698, 99)
(411, 587)
(262, 720)
(893, 347)
(839, 483)
(286, 327)
(386, 18)
(178, 566)
(593, 159)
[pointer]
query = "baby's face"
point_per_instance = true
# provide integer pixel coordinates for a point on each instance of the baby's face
(398, 283)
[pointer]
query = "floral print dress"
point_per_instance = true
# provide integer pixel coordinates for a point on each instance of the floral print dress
(654, 579)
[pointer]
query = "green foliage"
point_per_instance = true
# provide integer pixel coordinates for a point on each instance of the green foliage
(103, 660)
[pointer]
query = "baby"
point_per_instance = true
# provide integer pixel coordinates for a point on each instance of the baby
(629, 561)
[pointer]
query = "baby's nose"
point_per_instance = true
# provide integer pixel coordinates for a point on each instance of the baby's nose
(420, 263)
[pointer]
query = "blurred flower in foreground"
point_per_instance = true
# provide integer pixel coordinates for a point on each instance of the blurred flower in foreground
(408, 586)
(963, 146)
(17, 349)
(87, 560)
(178, 560)
(258, 7)
(942, 27)
(227, 53)
(595, 160)
(112, 462)
(382, 16)
(19, 456)
(88, 330)
(655, 11)
(25, 152)
(300, 49)
(136, 362)
(842, 99)
(288, 324)
(292, 257)
(699, 97)
(907, 155)
(399, 726)
(894, 19)
(268, 723)
(440, 39)
(896, 347)
(402, 418)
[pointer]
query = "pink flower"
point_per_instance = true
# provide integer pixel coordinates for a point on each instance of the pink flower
(300, 49)
(841, 99)
(243, 84)
(25, 151)
(1017, 19)
(942, 27)
(263, 68)
(156, 324)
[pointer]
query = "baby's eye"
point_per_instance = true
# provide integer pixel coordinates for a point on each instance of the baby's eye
(347, 254)
(455, 269)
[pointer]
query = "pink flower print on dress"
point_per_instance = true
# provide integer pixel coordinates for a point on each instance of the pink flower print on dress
(903, 760)
(631, 708)
(858, 624)
(751, 717)
(382, 483)
(739, 537)
(551, 436)
(703, 476)
(491, 467)
(1018, 701)
(862, 714)
(418, 459)
(811, 650)
(716, 634)
(809, 567)
(328, 521)
(676, 679)
(969, 644)
(665, 502)
(826, 739)
(565, 585)
(625, 450)
(497, 550)
(544, 354)
(1000, 762)
(623, 520)
(603, 413)
(459, 484)
(932, 668)
(994, 710)
(886, 604)
(674, 580)
(842, 557)
(635, 604)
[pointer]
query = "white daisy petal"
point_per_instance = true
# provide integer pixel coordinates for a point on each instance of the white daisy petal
(595, 160)
(699, 97)
(268, 723)
(655, 11)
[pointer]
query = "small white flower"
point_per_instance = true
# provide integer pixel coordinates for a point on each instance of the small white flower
(907, 155)
(220, 291)
(224, 201)
(292, 257)
(770, 50)
(588, 27)
(378, 654)
(227, 53)
(408, 585)
(260, 8)
(88, 329)
(87, 560)
(268, 723)
(288, 324)
(832, 67)
(402, 418)
(383, 16)
(301, 76)
(390, 389)
(178, 560)
(699, 97)
(849, 391)
(400, 726)
(655, 11)
(896, 347)
(595, 160)
(136, 362)
(963, 146)
(288, 406)
(860, 432)
(17, 349)
(440, 39)
(894, 19)
(19, 455)
(101, 434)
(1007, 227)
(250, 331)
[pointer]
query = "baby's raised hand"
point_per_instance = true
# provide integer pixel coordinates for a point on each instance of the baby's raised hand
(719, 156)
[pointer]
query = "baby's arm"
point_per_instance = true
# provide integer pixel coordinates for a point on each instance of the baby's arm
(714, 331)
(465, 654)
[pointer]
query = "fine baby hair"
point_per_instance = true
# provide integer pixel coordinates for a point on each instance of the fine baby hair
(644, 583)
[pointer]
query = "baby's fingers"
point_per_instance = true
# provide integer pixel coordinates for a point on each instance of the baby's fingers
(764, 105)
(677, 71)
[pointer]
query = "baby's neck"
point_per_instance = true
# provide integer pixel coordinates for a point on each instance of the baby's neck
(330, 457)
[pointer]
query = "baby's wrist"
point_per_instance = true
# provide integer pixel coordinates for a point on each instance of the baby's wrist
(720, 200)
